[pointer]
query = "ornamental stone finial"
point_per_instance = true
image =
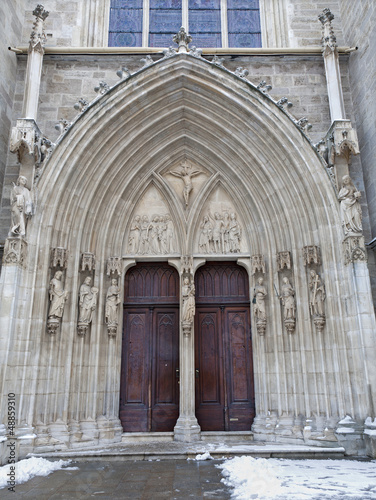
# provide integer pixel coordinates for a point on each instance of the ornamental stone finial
(328, 38)
(38, 36)
(182, 39)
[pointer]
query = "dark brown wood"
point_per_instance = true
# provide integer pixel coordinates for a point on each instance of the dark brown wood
(223, 350)
(149, 391)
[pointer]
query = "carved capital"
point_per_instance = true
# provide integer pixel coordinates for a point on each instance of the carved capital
(87, 261)
(182, 39)
(258, 264)
(187, 328)
(53, 325)
(354, 249)
(114, 266)
(290, 325)
(319, 322)
(261, 326)
(311, 255)
(112, 330)
(59, 257)
(82, 329)
(283, 260)
(15, 251)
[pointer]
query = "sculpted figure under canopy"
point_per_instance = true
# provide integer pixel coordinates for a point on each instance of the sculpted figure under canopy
(351, 210)
(260, 294)
(288, 299)
(112, 303)
(57, 296)
(317, 294)
(88, 301)
(21, 207)
(189, 308)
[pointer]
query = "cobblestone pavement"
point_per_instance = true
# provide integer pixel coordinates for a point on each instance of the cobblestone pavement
(138, 480)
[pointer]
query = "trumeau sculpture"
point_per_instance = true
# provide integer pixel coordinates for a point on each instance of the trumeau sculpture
(58, 297)
(186, 172)
(21, 207)
(151, 237)
(260, 294)
(289, 305)
(316, 300)
(189, 308)
(351, 210)
(87, 304)
(220, 234)
(112, 308)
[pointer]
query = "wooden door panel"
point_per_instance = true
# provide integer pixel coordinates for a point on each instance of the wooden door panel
(209, 371)
(165, 396)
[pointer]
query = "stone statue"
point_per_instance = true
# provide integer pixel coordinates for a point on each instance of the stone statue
(58, 296)
(186, 173)
(235, 234)
(88, 301)
(288, 299)
(112, 307)
(259, 300)
(317, 294)
(188, 294)
(205, 235)
(351, 210)
(21, 207)
(259, 306)
(134, 235)
(218, 233)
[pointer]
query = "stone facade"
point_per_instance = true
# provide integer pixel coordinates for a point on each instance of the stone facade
(187, 159)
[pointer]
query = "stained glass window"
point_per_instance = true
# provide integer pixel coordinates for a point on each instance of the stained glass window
(207, 23)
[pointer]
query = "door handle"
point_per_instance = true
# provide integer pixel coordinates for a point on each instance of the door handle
(197, 373)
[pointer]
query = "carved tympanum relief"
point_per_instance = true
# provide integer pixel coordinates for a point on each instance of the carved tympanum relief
(112, 307)
(151, 236)
(220, 233)
(87, 304)
(58, 297)
(259, 308)
(21, 207)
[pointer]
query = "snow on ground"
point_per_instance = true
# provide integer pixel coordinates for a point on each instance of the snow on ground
(282, 479)
(30, 467)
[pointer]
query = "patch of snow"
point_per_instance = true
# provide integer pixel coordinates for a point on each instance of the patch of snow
(344, 430)
(3, 438)
(284, 479)
(346, 420)
(28, 436)
(204, 456)
(370, 432)
(30, 467)
(369, 422)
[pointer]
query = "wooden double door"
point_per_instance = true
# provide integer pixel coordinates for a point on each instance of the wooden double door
(149, 390)
(223, 350)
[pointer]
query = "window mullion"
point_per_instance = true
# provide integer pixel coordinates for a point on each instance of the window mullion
(145, 23)
(224, 24)
(184, 17)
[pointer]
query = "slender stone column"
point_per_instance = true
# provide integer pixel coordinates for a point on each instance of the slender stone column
(331, 59)
(34, 64)
(187, 428)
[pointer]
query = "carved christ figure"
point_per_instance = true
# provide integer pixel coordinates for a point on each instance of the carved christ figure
(186, 173)
(21, 207)
(351, 210)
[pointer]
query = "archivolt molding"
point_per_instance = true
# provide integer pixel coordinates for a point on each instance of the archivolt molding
(182, 103)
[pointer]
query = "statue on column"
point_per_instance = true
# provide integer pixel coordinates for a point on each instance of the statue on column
(259, 306)
(112, 307)
(289, 305)
(58, 297)
(189, 305)
(87, 304)
(317, 297)
(21, 207)
(351, 211)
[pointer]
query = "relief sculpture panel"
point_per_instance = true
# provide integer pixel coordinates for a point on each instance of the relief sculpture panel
(220, 233)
